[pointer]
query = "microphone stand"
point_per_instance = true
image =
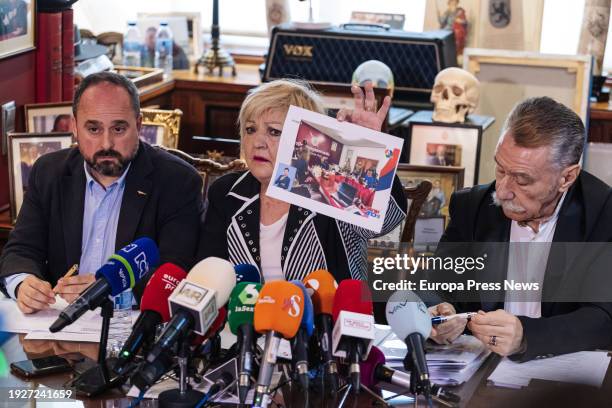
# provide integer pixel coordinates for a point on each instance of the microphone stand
(417, 386)
(184, 396)
(98, 379)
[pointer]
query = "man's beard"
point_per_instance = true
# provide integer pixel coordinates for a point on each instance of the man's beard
(507, 204)
(110, 168)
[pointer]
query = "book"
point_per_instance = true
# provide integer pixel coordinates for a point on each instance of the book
(67, 55)
(49, 58)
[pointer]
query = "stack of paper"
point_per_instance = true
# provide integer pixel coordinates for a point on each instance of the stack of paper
(36, 325)
(585, 367)
(451, 364)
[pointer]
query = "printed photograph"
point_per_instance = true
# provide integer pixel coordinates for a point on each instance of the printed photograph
(49, 117)
(439, 154)
(344, 171)
(152, 134)
(16, 26)
(285, 176)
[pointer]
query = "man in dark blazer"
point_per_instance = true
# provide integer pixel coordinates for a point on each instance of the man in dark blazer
(86, 202)
(541, 197)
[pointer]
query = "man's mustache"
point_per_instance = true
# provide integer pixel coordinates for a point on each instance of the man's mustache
(507, 204)
(107, 153)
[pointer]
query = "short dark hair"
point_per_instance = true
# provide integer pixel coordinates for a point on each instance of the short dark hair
(286, 168)
(542, 121)
(109, 78)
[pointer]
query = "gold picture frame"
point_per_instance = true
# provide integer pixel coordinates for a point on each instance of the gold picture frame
(17, 28)
(161, 127)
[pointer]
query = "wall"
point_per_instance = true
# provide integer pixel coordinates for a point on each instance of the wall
(17, 77)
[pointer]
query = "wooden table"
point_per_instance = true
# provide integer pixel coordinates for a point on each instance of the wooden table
(474, 393)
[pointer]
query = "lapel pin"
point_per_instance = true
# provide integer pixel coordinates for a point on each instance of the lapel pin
(142, 193)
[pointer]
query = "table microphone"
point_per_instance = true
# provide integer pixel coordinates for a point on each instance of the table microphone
(299, 344)
(278, 314)
(119, 273)
(322, 286)
(374, 370)
(353, 325)
(240, 318)
(410, 321)
(154, 310)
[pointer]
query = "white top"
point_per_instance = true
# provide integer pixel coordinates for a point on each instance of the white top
(527, 264)
(270, 246)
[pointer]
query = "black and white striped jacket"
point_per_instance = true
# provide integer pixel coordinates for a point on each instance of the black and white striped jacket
(311, 241)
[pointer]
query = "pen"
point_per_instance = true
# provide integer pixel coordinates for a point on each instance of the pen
(73, 269)
(442, 319)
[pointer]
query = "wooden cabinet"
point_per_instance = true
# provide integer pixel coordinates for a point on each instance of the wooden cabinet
(600, 127)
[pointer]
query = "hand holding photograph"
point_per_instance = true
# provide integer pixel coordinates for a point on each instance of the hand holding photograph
(335, 168)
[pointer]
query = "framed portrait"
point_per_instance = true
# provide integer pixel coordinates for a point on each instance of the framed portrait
(161, 127)
(445, 180)
(24, 150)
(446, 145)
(48, 117)
(186, 28)
(16, 26)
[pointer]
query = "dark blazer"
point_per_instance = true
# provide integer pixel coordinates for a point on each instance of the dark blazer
(162, 200)
(585, 216)
(312, 241)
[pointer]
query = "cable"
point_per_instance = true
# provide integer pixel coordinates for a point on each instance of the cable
(137, 401)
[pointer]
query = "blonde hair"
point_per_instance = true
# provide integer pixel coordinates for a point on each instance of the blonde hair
(278, 95)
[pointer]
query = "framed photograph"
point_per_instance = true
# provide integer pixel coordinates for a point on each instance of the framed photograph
(140, 76)
(520, 75)
(24, 150)
(341, 170)
(16, 26)
(161, 127)
(48, 117)
(446, 144)
(186, 28)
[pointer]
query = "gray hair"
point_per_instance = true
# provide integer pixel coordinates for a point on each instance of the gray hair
(110, 78)
(542, 121)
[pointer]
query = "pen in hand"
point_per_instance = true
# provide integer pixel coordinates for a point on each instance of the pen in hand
(442, 319)
(74, 269)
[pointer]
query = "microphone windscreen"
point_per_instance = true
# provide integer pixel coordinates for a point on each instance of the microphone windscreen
(368, 367)
(160, 287)
(129, 265)
(280, 307)
(323, 287)
(407, 314)
(352, 296)
(216, 274)
(247, 273)
(242, 305)
(308, 316)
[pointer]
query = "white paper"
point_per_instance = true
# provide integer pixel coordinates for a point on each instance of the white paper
(585, 367)
(335, 160)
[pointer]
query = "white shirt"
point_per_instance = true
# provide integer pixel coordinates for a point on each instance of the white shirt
(528, 256)
(270, 246)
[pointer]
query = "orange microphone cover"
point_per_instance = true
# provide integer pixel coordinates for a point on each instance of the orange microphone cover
(323, 287)
(279, 308)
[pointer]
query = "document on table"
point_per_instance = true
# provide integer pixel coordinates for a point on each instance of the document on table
(36, 325)
(585, 367)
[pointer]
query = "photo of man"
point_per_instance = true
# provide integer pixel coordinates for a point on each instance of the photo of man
(284, 180)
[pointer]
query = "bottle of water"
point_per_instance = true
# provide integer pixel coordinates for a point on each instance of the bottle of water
(163, 48)
(120, 324)
(132, 45)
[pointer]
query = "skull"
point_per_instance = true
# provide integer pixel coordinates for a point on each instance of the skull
(455, 94)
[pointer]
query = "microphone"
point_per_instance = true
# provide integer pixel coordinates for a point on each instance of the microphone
(354, 325)
(410, 320)
(299, 344)
(247, 273)
(153, 311)
(278, 314)
(240, 317)
(119, 273)
(322, 286)
(374, 370)
(194, 306)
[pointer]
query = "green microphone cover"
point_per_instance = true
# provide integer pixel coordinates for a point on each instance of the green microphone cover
(242, 304)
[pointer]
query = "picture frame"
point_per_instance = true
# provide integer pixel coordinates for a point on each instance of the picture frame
(48, 117)
(446, 145)
(519, 75)
(140, 76)
(191, 41)
(17, 27)
(23, 151)
(161, 127)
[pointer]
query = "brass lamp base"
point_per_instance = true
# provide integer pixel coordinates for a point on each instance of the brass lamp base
(216, 57)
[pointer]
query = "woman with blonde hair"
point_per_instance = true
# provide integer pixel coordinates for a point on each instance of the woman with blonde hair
(245, 226)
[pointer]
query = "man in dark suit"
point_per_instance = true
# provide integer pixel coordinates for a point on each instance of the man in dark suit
(86, 202)
(540, 197)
